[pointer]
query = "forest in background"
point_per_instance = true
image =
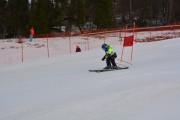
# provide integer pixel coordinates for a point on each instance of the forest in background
(18, 16)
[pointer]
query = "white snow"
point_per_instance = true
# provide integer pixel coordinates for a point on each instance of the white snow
(62, 88)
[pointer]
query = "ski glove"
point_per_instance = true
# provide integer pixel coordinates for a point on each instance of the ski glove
(103, 58)
(106, 56)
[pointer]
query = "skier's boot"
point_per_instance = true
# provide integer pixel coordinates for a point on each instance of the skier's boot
(107, 67)
(114, 67)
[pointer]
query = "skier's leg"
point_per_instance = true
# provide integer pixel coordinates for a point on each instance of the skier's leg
(108, 63)
(113, 62)
(31, 37)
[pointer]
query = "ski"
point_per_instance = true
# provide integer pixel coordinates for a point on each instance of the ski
(105, 70)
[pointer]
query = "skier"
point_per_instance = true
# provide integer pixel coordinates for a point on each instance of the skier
(31, 34)
(78, 49)
(109, 56)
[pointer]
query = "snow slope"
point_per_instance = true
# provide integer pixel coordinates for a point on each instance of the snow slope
(62, 88)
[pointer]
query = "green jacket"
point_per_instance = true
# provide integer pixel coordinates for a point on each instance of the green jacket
(108, 50)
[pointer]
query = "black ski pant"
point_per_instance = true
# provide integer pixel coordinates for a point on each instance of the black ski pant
(110, 60)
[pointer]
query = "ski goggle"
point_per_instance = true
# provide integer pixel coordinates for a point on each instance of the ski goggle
(104, 48)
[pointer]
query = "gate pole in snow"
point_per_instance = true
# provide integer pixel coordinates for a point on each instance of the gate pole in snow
(133, 41)
(123, 45)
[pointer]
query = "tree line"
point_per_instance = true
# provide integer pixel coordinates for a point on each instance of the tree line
(18, 16)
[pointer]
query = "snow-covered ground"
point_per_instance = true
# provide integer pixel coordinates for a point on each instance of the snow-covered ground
(11, 51)
(62, 88)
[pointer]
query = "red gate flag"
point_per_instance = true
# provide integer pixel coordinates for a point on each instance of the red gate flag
(128, 41)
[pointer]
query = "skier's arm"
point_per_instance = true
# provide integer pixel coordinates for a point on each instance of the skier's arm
(105, 56)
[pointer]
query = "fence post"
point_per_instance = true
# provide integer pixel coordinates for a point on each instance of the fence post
(88, 41)
(174, 31)
(122, 54)
(150, 32)
(134, 31)
(47, 45)
(125, 31)
(120, 38)
(22, 48)
(70, 42)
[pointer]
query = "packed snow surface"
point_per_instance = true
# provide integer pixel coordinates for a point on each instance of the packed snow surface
(62, 88)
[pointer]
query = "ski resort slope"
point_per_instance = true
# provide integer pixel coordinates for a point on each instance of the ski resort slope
(62, 88)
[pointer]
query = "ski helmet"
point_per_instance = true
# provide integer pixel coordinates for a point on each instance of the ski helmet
(104, 46)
